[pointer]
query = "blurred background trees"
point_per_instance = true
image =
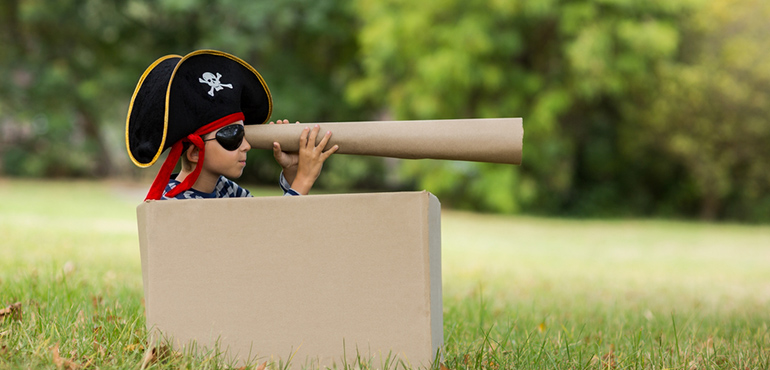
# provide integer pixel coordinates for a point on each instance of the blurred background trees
(654, 108)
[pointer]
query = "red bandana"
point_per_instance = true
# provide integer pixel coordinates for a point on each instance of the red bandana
(161, 180)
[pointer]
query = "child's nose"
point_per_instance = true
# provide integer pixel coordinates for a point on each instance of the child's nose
(245, 146)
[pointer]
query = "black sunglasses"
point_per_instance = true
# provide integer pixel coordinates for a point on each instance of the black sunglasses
(230, 137)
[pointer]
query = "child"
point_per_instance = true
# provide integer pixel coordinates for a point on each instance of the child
(198, 105)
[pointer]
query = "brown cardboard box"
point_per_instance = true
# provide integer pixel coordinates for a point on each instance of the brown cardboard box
(276, 277)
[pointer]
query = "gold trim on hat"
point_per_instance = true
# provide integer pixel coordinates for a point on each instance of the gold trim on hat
(131, 107)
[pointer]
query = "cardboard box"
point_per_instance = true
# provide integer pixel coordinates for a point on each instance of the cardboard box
(296, 277)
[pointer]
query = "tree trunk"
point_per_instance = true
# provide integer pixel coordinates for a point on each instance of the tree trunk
(709, 206)
(92, 131)
(10, 21)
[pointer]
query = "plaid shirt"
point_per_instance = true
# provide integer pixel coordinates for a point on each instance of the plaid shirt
(225, 188)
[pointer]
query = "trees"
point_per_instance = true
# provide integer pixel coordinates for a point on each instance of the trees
(569, 68)
(711, 112)
(62, 59)
(626, 109)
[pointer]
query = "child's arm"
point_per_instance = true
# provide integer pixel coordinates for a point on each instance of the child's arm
(302, 169)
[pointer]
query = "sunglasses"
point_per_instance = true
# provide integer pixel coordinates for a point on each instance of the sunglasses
(230, 137)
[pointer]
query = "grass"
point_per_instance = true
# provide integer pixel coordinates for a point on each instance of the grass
(519, 292)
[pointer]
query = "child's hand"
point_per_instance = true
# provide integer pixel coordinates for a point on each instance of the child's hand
(311, 159)
(288, 161)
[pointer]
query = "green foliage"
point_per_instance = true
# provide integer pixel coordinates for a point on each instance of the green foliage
(67, 66)
(567, 68)
(591, 79)
(712, 111)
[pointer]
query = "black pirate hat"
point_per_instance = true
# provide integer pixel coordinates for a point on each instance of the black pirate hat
(178, 98)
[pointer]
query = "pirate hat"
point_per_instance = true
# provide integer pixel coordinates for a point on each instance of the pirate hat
(180, 98)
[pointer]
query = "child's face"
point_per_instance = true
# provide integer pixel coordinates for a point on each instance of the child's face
(220, 161)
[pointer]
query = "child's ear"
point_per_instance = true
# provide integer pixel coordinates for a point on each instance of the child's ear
(192, 154)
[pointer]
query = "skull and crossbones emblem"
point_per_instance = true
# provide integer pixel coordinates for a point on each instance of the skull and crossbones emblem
(213, 81)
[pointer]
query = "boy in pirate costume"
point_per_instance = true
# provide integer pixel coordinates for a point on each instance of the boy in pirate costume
(198, 105)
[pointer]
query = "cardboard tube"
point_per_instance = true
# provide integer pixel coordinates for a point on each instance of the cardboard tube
(495, 140)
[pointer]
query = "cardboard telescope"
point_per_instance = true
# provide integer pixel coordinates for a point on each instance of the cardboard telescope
(495, 140)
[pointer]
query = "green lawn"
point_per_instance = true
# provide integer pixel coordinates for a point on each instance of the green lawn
(519, 292)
